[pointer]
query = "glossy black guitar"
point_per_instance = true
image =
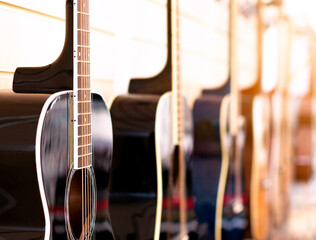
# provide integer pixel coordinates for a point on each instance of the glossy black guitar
(146, 177)
(218, 182)
(55, 150)
(207, 156)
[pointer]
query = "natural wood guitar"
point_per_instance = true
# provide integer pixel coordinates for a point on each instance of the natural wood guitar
(256, 109)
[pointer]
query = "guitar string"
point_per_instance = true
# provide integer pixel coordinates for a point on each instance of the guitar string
(85, 82)
(87, 106)
(83, 133)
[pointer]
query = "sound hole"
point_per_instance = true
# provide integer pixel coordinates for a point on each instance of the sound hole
(80, 200)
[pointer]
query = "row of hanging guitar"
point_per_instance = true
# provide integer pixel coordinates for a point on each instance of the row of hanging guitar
(144, 183)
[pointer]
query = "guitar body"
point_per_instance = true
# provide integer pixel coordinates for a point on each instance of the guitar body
(280, 164)
(21, 212)
(206, 161)
(213, 174)
(142, 165)
(170, 222)
(303, 163)
(259, 179)
(135, 198)
(256, 109)
(41, 137)
(230, 217)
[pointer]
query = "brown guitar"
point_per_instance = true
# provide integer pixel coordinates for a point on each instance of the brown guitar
(256, 109)
(281, 148)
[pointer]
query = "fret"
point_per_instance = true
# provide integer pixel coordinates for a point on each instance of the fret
(83, 30)
(86, 135)
(84, 113)
(85, 155)
(83, 38)
(85, 145)
(85, 46)
(83, 21)
(84, 13)
(85, 124)
(84, 89)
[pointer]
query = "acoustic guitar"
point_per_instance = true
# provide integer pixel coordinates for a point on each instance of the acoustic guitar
(150, 181)
(230, 220)
(217, 161)
(207, 156)
(256, 109)
(303, 126)
(281, 149)
(56, 149)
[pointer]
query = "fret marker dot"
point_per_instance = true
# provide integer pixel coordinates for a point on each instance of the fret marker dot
(79, 54)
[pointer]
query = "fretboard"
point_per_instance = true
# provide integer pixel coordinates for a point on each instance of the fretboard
(234, 103)
(176, 83)
(178, 113)
(82, 92)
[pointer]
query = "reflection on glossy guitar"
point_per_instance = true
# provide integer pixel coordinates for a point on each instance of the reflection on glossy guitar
(64, 156)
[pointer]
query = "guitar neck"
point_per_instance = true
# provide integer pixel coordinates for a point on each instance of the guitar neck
(178, 113)
(82, 151)
(176, 83)
(260, 44)
(234, 104)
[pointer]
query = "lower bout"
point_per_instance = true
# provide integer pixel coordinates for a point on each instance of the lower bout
(133, 217)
